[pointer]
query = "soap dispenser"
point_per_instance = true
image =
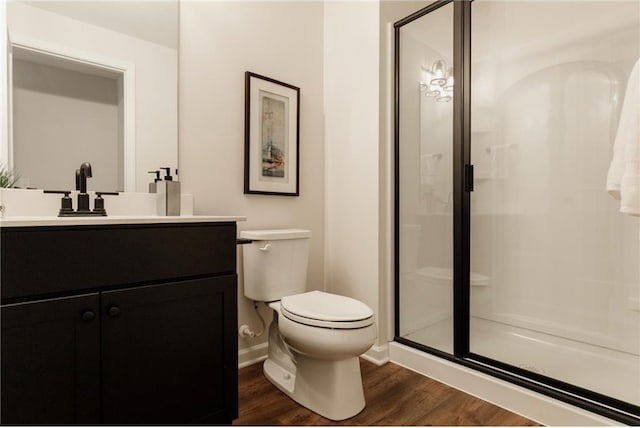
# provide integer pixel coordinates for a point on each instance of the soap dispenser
(168, 191)
(153, 187)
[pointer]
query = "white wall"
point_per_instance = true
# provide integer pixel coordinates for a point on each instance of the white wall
(351, 104)
(156, 77)
(219, 42)
(4, 116)
(333, 52)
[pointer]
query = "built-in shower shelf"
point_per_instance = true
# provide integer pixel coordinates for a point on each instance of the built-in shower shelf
(482, 176)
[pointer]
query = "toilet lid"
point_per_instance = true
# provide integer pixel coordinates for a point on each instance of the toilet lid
(322, 309)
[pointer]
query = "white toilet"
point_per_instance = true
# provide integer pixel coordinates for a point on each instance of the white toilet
(315, 338)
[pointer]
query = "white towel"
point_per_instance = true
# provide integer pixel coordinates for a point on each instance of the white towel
(623, 180)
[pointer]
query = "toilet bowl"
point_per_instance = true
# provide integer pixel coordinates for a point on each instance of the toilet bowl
(321, 369)
(315, 338)
(326, 326)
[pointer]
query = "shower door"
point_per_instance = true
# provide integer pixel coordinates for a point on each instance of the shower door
(513, 256)
(560, 260)
(425, 191)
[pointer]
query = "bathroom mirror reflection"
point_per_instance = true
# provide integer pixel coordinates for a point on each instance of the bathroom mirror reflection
(92, 81)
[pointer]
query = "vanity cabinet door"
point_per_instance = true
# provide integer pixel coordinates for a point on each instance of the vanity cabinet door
(169, 353)
(50, 362)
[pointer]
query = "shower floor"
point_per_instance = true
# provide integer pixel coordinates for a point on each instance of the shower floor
(603, 370)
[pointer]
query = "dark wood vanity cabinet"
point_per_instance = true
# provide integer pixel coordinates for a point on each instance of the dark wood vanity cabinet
(163, 350)
(160, 351)
(50, 356)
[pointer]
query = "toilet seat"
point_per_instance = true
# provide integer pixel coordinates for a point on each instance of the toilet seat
(326, 310)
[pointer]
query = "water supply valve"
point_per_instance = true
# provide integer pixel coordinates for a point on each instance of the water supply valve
(245, 331)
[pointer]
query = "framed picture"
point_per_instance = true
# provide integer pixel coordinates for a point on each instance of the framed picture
(271, 136)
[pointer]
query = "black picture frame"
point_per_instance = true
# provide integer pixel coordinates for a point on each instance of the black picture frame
(272, 137)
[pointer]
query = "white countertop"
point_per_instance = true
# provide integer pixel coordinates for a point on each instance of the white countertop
(115, 219)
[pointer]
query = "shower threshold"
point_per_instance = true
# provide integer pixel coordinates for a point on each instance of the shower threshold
(603, 370)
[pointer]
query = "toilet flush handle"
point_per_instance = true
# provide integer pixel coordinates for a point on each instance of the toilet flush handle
(265, 248)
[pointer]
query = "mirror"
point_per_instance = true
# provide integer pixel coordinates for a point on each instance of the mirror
(92, 81)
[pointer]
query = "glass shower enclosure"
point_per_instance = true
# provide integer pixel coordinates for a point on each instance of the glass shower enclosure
(518, 194)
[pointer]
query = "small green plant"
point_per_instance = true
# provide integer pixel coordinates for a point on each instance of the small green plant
(8, 178)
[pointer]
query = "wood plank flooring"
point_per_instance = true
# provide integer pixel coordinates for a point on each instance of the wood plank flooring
(394, 396)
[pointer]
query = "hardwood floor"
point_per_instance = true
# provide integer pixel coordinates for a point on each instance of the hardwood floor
(394, 396)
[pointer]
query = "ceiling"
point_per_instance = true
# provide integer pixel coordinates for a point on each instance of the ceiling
(155, 21)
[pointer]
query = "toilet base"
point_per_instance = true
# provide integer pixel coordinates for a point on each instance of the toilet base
(280, 377)
(332, 389)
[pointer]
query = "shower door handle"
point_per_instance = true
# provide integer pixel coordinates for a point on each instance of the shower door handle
(468, 178)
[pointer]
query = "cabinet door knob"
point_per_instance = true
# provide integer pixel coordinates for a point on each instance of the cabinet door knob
(88, 316)
(113, 311)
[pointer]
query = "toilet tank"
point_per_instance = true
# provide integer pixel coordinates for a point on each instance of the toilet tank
(275, 263)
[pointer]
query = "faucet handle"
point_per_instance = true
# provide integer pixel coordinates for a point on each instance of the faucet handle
(66, 192)
(66, 207)
(77, 179)
(98, 203)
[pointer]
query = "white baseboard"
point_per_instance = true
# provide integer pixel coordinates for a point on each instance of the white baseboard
(530, 404)
(252, 355)
(377, 354)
